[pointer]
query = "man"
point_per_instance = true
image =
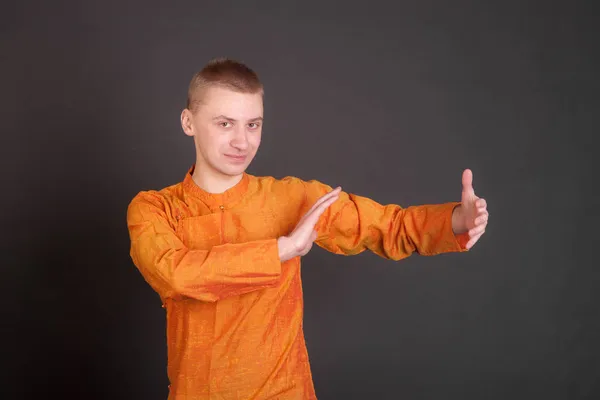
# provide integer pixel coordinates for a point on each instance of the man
(222, 248)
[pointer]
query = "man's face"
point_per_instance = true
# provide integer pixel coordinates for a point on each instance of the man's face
(227, 129)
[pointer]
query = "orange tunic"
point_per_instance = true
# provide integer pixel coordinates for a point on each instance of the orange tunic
(234, 311)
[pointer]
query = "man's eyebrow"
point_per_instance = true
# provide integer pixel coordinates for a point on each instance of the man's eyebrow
(233, 120)
(223, 117)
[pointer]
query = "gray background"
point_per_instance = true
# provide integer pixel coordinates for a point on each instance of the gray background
(391, 101)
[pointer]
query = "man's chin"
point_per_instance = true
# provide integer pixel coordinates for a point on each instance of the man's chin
(234, 170)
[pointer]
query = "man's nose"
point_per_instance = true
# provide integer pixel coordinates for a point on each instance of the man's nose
(240, 140)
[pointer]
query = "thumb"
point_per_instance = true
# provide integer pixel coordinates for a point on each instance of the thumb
(467, 178)
(468, 193)
(467, 181)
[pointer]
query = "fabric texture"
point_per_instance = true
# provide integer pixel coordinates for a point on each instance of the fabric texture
(234, 311)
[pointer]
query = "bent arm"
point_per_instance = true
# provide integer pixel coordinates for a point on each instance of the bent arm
(173, 270)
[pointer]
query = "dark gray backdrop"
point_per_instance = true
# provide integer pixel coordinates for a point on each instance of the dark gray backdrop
(389, 101)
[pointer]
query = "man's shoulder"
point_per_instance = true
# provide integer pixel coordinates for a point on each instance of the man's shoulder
(157, 197)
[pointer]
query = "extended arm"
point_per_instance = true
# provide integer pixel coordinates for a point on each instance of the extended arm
(355, 223)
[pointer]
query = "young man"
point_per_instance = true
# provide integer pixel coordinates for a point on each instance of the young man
(222, 248)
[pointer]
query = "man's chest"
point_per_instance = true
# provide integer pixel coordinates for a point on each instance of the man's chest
(204, 229)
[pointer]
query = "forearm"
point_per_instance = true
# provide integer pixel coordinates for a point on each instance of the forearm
(391, 231)
(429, 229)
(356, 223)
(223, 271)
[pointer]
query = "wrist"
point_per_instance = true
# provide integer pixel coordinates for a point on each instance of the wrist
(285, 248)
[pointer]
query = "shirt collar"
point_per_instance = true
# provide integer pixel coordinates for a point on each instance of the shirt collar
(216, 201)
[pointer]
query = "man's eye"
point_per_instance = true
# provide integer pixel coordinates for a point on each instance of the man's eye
(253, 125)
(225, 124)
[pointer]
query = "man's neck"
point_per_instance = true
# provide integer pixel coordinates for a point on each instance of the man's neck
(212, 181)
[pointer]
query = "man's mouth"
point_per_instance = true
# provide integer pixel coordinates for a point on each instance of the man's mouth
(236, 157)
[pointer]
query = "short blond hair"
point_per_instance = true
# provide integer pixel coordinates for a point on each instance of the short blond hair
(226, 73)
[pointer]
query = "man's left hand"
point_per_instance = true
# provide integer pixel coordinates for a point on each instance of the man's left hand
(472, 214)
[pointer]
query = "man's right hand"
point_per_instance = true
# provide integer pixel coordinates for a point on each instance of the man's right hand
(300, 241)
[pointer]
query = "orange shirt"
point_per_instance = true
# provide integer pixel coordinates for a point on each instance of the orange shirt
(234, 311)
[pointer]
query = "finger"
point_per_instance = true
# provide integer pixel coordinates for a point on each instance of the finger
(312, 218)
(481, 203)
(482, 218)
(334, 192)
(473, 240)
(477, 230)
(324, 198)
(316, 214)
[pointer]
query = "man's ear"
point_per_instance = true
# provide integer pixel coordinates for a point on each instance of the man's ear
(186, 122)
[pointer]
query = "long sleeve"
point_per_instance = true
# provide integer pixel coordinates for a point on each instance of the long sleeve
(354, 224)
(174, 270)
